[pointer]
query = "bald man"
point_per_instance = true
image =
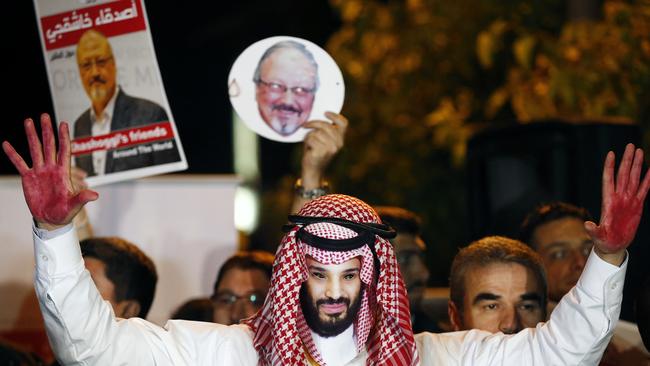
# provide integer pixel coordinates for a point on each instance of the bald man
(111, 110)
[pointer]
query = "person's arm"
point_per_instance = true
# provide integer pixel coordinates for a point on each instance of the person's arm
(82, 328)
(582, 324)
(319, 147)
(576, 334)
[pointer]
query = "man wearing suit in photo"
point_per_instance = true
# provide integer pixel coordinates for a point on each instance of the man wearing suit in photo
(112, 110)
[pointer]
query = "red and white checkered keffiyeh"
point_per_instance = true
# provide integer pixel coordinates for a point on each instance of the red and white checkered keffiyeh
(383, 324)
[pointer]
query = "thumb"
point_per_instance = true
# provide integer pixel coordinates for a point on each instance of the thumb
(592, 229)
(84, 197)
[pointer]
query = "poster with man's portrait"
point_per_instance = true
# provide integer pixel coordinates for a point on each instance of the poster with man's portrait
(279, 83)
(105, 82)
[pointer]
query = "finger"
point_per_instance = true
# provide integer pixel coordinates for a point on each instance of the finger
(340, 121)
(49, 148)
(83, 197)
(78, 173)
(63, 158)
(317, 124)
(593, 230)
(15, 158)
(645, 185)
(322, 129)
(635, 173)
(320, 143)
(78, 183)
(624, 169)
(608, 181)
(337, 119)
(333, 132)
(35, 149)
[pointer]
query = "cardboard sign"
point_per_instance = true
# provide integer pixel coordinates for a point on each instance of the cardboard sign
(105, 81)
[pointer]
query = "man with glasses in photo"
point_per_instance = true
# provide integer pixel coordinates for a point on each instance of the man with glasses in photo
(111, 110)
(286, 81)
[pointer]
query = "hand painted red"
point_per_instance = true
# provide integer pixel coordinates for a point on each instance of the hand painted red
(47, 186)
(622, 202)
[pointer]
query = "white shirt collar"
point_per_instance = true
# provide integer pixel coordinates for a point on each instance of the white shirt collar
(337, 350)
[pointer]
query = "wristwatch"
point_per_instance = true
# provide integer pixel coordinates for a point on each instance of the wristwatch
(311, 193)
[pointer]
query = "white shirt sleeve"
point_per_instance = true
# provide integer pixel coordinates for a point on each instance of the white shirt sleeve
(577, 333)
(83, 329)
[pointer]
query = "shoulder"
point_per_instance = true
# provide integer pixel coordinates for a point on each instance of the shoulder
(139, 103)
(456, 348)
(82, 123)
(212, 343)
(439, 348)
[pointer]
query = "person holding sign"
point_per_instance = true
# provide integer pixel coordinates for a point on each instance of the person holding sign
(334, 260)
(113, 110)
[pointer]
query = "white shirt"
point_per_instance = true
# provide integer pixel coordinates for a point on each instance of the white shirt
(101, 125)
(338, 350)
(84, 331)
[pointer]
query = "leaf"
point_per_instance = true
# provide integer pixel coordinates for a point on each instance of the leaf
(523, 50)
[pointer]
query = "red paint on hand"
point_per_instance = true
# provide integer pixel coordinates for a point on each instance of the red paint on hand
(47, 186)
(622, 204)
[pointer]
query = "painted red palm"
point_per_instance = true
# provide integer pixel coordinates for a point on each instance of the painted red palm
(47, 186)
(622, 202)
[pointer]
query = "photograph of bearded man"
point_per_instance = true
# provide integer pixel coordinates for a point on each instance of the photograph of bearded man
(286, 81)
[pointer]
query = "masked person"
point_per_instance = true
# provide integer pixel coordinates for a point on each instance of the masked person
(336, 294)
(334, 260)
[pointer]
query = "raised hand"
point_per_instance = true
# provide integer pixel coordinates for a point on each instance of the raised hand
(320, 146)
(622, 205)
(50, 195)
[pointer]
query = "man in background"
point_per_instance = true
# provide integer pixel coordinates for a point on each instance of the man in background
(410, 253)
(497, 284)
(124, 275)
(241, 286)
(557, 232)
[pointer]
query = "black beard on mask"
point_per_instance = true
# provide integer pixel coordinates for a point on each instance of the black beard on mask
(328, 328)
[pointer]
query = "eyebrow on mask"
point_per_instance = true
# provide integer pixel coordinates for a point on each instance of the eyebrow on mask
(351, 270)
(483, 296)
(316, 268)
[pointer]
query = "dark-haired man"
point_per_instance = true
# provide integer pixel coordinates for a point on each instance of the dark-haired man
(241, 286)
(124, 275)
(410, 253)
(497, 284)
(557, 232)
